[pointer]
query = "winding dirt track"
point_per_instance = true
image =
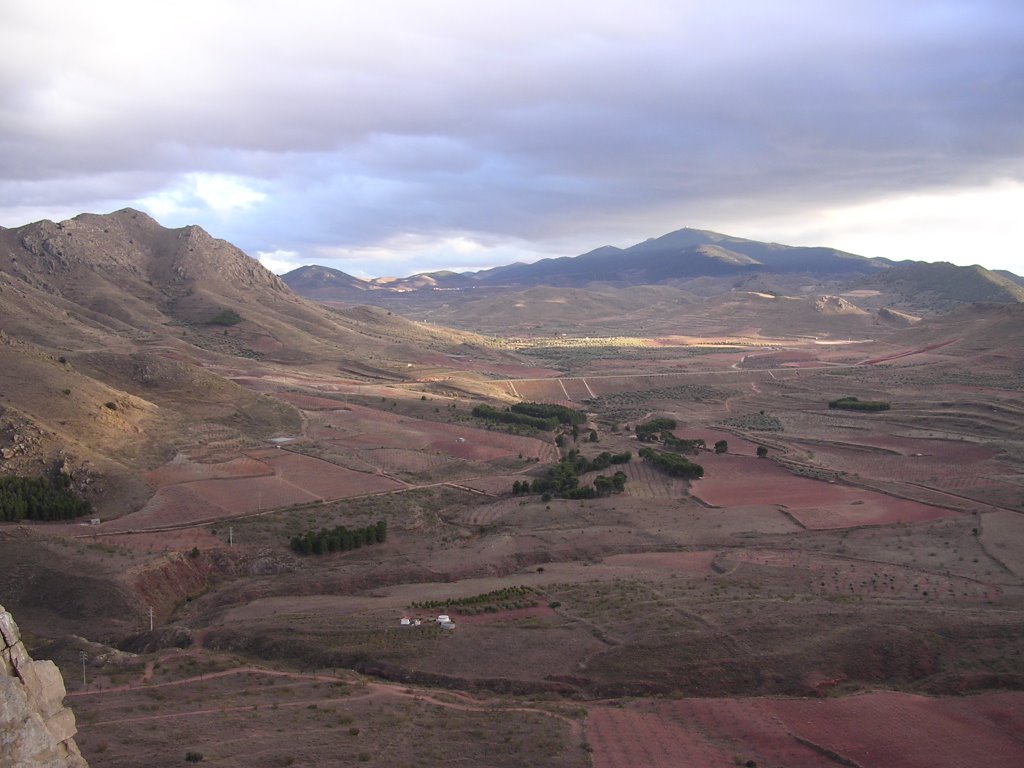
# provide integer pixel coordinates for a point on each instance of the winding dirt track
(463, 702)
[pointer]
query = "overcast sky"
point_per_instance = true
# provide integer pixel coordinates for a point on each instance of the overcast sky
(395, 137)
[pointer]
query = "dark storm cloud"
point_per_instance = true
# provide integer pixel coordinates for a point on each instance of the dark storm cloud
(310, 128)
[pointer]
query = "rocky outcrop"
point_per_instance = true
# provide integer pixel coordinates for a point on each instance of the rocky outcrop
(36, 729)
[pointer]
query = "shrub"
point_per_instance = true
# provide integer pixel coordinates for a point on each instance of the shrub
(225, 317)
(193, 757)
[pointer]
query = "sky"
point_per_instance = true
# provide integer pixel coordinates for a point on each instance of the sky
(402, 136)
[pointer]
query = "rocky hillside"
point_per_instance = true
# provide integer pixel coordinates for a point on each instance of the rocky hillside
(36, 729)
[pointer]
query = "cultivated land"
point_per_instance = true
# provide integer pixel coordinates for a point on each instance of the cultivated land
(854, 596)
(869, 565)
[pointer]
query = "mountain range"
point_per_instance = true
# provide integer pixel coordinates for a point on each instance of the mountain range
(684, 258)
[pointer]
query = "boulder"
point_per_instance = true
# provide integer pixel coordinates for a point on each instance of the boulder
(36, 729)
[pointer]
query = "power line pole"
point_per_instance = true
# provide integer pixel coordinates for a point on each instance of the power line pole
(231, 536)
(84, 656)
(151, 618)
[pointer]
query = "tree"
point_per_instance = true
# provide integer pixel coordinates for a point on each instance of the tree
(722, 446)
(762, 451)
(593, 435)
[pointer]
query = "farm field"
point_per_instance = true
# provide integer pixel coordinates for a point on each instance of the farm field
(804, 608)
(887, 729)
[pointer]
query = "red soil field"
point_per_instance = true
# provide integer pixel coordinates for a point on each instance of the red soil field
(325, 480)
(251, 494)
(745, 728)
(182, 470)
(628, 738)
(171, 505)
(368, 428)
(739, 480)
(899, 730)
(403, 460)
(893, 730)
(946, 464)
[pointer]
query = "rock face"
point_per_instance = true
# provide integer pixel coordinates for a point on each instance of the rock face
(36, 729)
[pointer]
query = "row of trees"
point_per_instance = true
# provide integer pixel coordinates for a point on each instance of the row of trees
(38, 498)
(490, 413)
(564, 414)
(853, 404)
(497, 596)
(672, 463)
(339, 539)
(542, 416)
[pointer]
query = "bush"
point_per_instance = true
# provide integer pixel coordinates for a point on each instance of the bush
(722, 446)
(193, 757)
(225, 317)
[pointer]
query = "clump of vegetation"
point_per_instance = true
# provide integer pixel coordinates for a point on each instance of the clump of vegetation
(562, 480)
(542, 416)
(853, 404)
(647, 431)
(339, 539)
(490, 413)
(564, 414)
(38, 498)
(685, 446)
(757, 422)
(672, 463)
(722, 446)
(225, 317)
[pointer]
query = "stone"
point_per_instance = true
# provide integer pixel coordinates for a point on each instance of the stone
(36, 729)
(8, 629)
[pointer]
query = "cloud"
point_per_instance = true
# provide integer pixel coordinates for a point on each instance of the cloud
(334, 128)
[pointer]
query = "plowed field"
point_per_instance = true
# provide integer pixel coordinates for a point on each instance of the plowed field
(893, 730)
(739, 480)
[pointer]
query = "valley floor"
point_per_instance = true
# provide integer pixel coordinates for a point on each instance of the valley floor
(853, 597)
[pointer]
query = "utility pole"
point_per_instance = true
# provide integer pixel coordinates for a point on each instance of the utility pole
(84, 656)
(151, 618)
(231, 536)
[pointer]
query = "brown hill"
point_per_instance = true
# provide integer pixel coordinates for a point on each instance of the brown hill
(117, 334)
